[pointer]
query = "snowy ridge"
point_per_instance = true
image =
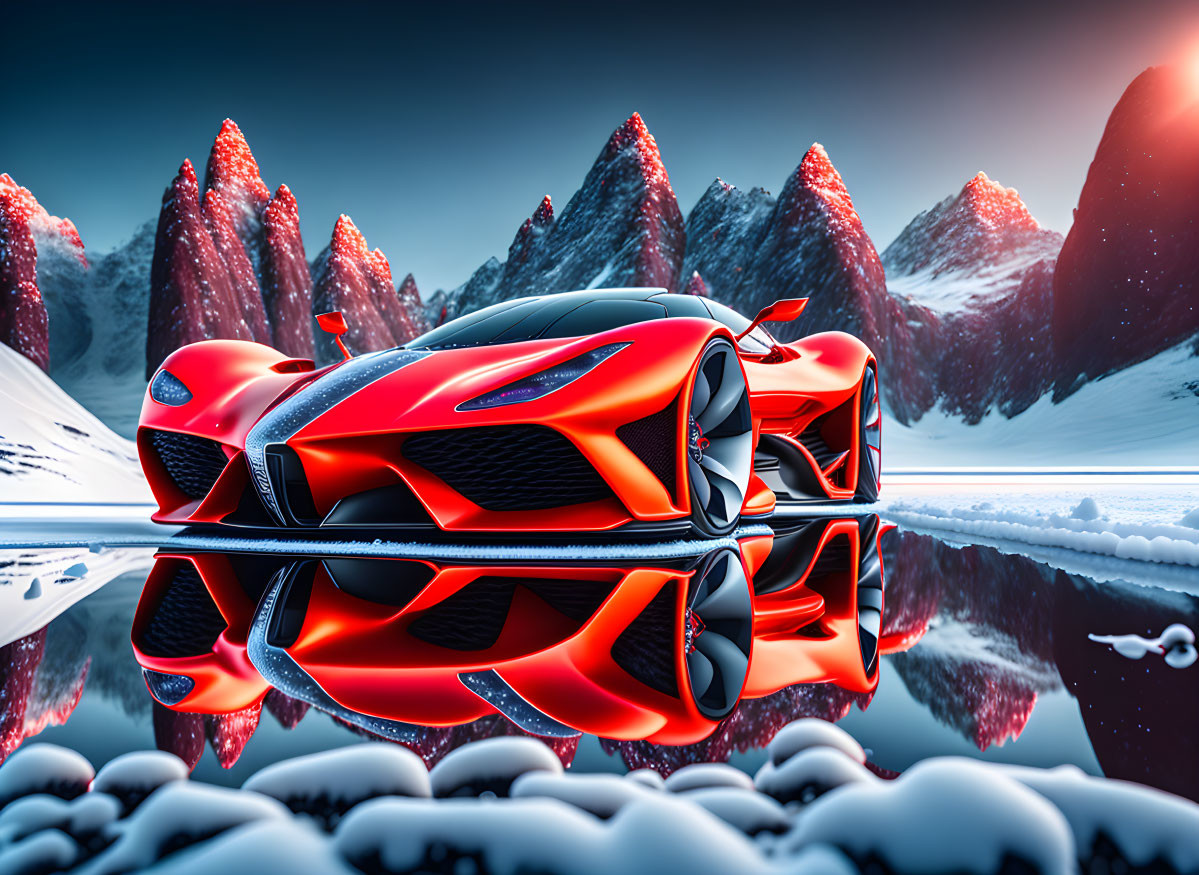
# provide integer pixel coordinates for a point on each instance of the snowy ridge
(51, 449)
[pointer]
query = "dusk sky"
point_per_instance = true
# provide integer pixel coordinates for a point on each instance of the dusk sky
(439, 127)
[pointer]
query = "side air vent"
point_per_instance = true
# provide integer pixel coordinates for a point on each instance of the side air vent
(654, 440)
(815, 444)
(646, 648)
(186, 621)
(193, 463)
(514, 467)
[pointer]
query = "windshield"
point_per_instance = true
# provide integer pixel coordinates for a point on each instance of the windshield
(757, 342)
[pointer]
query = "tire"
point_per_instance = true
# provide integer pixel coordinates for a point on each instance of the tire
(718, 440)
(718, 633)
(870, 439)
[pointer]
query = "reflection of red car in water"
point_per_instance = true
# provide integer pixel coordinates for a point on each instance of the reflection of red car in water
(649, 650)
(632, 410)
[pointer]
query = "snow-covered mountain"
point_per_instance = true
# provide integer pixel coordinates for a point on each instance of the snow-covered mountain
(52, 449)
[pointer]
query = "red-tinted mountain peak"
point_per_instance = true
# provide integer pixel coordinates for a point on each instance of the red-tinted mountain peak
(633, 133)
(36, 216)
(286, 281)
(696, 285)
(817, 174)
(994, 206)
(347, 239)
(233, 170)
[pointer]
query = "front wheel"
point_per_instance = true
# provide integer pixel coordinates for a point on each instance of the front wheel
(719, 440)
(870, 443)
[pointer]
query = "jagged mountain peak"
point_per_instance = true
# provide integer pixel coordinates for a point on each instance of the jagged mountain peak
(233, 170)
(40, 221)
(282, 208)
(817, 175)
(408, 288)
(531, 229)
(634, 136)
(993, 206)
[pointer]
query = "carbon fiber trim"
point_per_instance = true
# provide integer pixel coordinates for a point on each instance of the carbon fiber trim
(278, 426)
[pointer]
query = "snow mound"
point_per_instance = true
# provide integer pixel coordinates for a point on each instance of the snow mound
(263, 846)
(328, 784)
(698, 776)
(601, 795)
(44, 768)
(945, 815)
(51, 449)
(133, 776)
(807, 776)
(744, 810)
(490, 766)
(1087, 509)
(807, 732)
(1191, 520)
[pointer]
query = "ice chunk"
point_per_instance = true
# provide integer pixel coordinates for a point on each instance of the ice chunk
(799, 735)
(35, 589)
(1176, 644)
(810, 774)
(699, 775)
(490, 766)
(44, 768)
(79, 569)
(747, 810)
(942, 815)
(1088, 509)
(1191, 520)
(133, 776)
(326, 785)
(601, 795)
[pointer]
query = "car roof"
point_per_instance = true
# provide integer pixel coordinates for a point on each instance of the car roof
(566, 314)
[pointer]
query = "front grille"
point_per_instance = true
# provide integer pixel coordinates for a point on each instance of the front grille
(645, 649)
(186, 621)
(470, 619)
(512, 467)
(193, 463)
(652, 439)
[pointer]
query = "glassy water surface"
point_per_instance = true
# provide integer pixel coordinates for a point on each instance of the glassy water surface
(978, 653)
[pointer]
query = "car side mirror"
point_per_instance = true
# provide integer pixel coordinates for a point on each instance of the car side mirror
(334, 323)
(784, 310)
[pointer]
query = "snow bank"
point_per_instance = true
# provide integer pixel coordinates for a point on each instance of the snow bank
(1142, 415)
(1088, 532)
(51, 449)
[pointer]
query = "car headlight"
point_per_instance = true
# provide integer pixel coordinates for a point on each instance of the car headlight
(541, 384)
(169, 390)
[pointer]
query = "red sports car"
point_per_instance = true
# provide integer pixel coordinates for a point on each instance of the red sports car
(648, 649)
(632, 410)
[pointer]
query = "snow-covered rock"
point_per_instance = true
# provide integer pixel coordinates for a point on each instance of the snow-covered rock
(800, 735)
(807, 776)
(743, 809)
(601, 795)
(44, 768)
(698, 776)
(947, 815)
(132, 777)
(490, 766)
(328, 784)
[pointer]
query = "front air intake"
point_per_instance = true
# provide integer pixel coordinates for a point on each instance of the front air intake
(653, 439)
(193, 463)
(511, 467)
(646, 648)
(185, 622)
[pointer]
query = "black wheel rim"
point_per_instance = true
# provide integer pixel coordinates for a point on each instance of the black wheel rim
(719, 439)
(870, 593)
(718, 633)
(871, 466)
